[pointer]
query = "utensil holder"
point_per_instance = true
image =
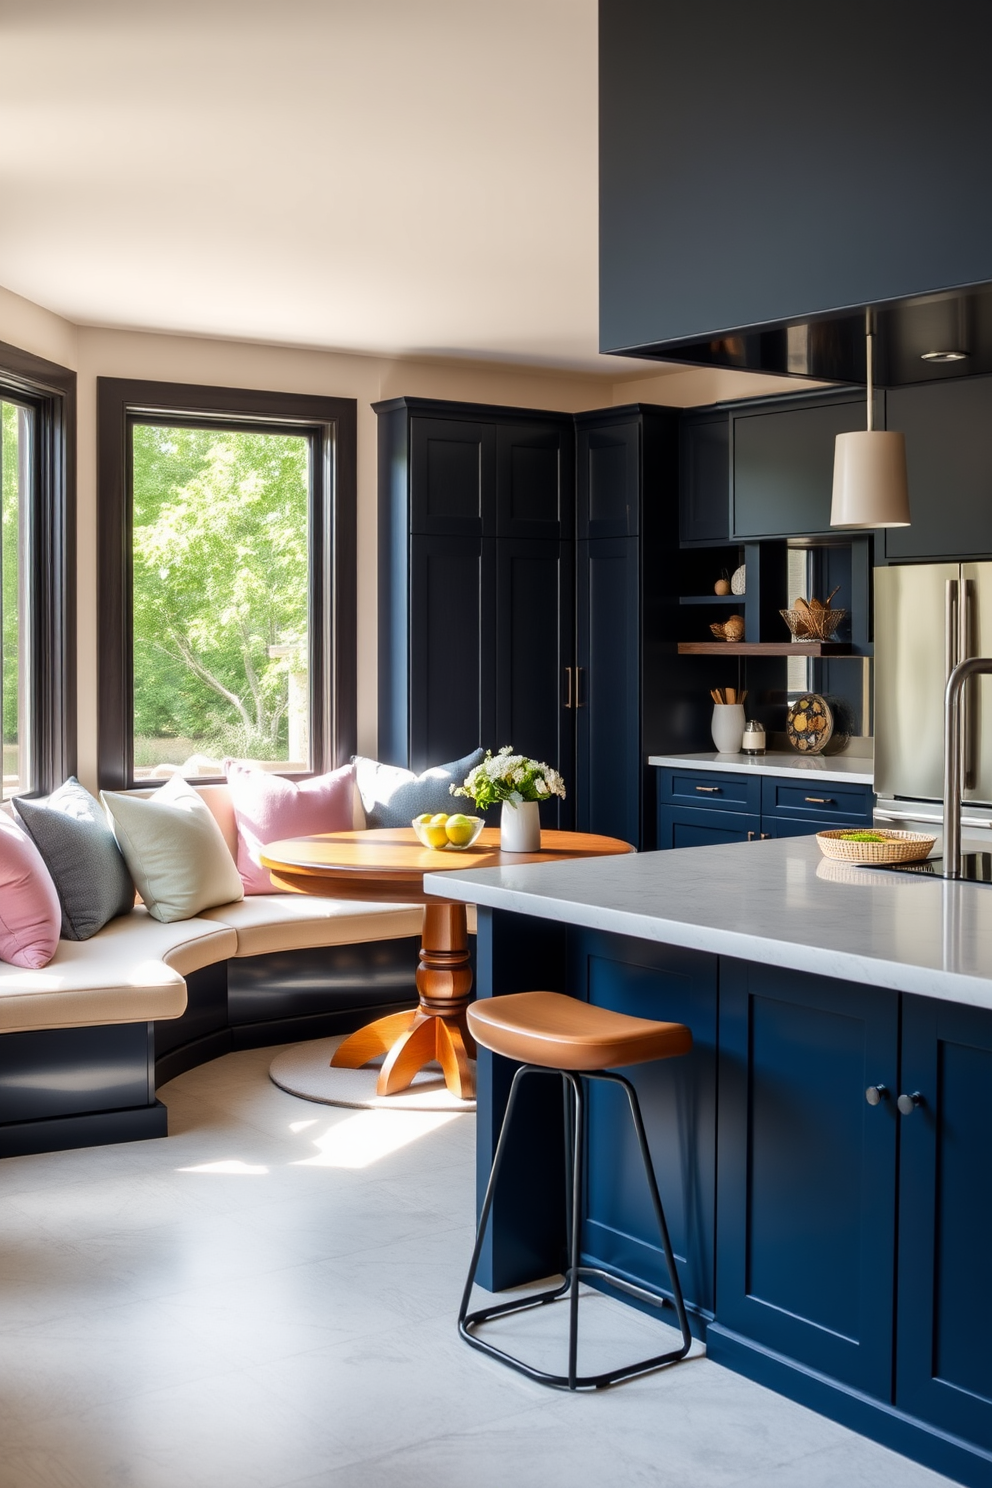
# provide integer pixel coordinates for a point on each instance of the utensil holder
(728, 727)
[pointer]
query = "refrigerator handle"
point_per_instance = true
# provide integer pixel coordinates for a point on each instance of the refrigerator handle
(969, 712)
(950, 628)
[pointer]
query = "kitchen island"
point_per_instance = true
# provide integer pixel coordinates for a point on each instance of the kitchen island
(825, 1152)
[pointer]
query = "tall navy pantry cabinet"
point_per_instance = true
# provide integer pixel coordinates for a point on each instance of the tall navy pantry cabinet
(476, 584)
(527, 583)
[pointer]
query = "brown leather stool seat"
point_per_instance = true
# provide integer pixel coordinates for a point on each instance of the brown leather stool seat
(558, 1032)
(550, 1034)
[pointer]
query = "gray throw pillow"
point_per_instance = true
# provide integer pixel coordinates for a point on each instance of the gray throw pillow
(392, 797)
(71, 831)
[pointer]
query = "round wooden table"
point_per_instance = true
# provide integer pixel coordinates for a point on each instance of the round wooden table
(388, 865)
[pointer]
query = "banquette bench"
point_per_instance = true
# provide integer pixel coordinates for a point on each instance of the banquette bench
(85, 1041)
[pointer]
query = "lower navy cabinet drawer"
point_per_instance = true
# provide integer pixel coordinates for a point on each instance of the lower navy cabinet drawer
(686, 826)
(710, 788)
(826, 801)
(796, 826)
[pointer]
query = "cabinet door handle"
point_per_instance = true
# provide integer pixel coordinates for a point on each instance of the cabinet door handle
(750, 836)
(876, 1094)
(908, 1103)
(764, 836)
(710, 790)
(568, 698)
(821, 800)
(578, 681)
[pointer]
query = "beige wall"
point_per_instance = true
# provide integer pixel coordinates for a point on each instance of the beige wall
(94, 352)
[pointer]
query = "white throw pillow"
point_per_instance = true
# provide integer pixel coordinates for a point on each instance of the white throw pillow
(175, 850)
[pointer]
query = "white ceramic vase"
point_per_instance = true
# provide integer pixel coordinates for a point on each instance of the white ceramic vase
(520, 826)
(728, 727)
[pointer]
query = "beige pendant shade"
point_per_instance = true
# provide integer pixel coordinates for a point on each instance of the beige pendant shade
(870, 486)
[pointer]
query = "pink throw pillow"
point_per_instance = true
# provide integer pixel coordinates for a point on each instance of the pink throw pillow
(270, 807)
(30, 912)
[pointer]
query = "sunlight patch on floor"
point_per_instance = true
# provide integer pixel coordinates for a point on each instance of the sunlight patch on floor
(229, 1165)
(367, 1136)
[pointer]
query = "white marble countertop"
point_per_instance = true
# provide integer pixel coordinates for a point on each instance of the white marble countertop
(779, 902)
(856, 769)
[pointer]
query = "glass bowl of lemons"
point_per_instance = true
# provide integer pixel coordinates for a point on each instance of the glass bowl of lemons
(453, 833)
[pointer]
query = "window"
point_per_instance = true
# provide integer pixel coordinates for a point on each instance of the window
(227, 591)
(37, 648)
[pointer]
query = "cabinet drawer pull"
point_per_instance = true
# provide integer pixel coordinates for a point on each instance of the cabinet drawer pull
(908, 1103)
(710, 790)
(876, 1094)
(821, 800)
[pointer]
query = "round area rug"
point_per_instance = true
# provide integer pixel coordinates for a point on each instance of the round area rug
(305, 1070)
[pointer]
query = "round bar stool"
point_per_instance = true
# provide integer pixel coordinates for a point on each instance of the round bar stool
(551, 1034)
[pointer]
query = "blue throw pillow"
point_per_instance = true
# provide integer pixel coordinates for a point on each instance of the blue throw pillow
(71, 831)
(392, 797)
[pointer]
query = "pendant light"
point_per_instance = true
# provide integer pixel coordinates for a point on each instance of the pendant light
(870, 488)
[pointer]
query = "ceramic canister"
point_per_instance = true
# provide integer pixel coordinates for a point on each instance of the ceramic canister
(728, 727)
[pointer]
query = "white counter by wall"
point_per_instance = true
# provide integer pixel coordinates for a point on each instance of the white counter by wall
(855, 769)
(778, 902)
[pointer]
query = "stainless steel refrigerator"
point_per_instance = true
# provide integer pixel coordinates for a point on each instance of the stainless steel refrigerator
(928, 617)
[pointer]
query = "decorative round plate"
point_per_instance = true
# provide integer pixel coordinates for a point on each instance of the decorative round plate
(809, 723)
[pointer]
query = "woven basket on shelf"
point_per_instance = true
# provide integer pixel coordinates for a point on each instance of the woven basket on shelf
(898, 847)
(807, 625)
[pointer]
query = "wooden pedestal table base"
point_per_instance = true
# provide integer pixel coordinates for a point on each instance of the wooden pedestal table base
(388, 865)
(437, 1029)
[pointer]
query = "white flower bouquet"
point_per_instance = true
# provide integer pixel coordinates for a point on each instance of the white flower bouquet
(509, 777)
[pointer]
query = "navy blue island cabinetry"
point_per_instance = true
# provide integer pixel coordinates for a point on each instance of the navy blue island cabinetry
(825, 1152)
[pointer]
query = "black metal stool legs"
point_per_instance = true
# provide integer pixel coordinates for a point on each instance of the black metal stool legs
(467, 1321)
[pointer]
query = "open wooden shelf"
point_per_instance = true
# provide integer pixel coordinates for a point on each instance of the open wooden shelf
(708, 599)
(765, 648)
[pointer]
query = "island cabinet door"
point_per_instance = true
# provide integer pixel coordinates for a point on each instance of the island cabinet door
(944, 1319)
(678, 1103)
(806, 1190)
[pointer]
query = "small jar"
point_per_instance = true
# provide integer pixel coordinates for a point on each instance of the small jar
(753, 740)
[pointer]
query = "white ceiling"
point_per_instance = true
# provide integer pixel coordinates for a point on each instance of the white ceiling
(393, 176)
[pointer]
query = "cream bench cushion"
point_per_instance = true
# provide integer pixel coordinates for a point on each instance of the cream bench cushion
(291, 922)
(131, 972)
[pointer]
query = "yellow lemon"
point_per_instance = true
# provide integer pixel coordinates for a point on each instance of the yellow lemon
(423, 820)
(440, 819)
(459, 829)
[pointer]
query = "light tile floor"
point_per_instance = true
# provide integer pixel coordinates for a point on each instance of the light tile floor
(267, 1300)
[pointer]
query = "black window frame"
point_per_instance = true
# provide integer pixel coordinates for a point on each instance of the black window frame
(50, 391)
(123, 402)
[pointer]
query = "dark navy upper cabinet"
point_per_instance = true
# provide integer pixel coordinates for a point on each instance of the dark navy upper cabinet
(704, 479)
(806, 1199)
(783, 460)
(943, 1369)
(452, 477)
(609, 474)
(534, 479)
(948, 429)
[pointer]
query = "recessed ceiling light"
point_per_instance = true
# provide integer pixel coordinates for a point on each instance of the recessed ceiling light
(944, 356)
